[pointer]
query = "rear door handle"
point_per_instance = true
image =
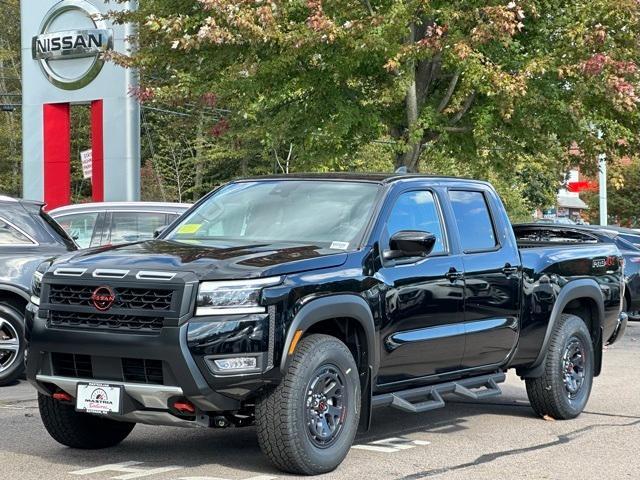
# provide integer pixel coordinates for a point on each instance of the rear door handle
(509, 270)
(453, 275)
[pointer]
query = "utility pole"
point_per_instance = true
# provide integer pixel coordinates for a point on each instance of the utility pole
(602, 167)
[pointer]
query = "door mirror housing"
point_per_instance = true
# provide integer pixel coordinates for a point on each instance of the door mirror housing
(410, 244)
(158, 231)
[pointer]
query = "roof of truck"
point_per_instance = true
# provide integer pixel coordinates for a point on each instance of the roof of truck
(359, 177)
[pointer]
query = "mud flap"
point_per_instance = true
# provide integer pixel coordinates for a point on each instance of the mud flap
(367, 394)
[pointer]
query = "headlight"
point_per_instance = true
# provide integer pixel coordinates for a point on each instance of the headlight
(233, 297)
(36, 282)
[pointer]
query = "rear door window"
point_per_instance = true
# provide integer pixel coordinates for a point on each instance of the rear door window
(135, 226)
(80, 227)
(473, 218)
(11, 235)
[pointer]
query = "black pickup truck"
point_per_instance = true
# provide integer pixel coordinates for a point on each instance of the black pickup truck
(301, 303)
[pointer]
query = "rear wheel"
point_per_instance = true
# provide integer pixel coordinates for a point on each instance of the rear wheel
(563, 390)
(11, 345)
(80, 430)
(307, 424)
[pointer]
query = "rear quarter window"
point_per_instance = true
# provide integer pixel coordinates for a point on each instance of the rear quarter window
(12, 235)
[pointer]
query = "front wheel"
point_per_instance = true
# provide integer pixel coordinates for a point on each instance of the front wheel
(80, 430)
(11, 345)
(563, 390)
(307, 424)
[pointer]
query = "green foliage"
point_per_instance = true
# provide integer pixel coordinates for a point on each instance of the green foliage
(10, 121)
(623, 195)
(490, 89)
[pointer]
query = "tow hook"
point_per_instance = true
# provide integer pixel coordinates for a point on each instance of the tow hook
(62, 397)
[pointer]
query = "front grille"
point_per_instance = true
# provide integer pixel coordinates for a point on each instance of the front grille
(142, 371)
(130, 298)
(72, 365)
(104, 321)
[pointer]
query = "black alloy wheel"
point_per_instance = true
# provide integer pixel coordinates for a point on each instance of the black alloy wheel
(573, 366)
(326, 405)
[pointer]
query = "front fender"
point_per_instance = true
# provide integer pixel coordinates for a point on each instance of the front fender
(334, 306)
(16, 290)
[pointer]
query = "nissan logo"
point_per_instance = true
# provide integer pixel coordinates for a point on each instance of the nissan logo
(70, 43)
(103, 298)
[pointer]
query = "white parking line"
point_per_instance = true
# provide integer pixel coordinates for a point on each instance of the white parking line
(391, 445)
(259, 477)
(127, 468)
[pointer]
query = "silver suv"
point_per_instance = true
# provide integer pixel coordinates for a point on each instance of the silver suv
(112, 223)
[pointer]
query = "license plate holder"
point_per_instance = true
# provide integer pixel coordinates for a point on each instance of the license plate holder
(100, 398)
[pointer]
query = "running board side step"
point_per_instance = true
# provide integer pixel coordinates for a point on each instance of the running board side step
(406, 399)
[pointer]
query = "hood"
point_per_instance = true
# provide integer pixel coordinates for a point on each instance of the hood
(208, 263)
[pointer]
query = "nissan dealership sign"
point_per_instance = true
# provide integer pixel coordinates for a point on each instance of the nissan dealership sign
(63, 60)
(71, 40)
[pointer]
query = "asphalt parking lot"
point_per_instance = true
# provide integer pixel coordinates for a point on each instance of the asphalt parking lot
(494, 439)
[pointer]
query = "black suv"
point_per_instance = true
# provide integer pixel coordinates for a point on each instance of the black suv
(301, 303)
(27, 237)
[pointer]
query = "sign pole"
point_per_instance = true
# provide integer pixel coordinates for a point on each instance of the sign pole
(602, 166)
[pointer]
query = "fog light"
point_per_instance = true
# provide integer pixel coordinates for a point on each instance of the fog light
(238, 363)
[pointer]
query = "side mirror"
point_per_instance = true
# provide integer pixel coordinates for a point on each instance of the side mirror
(158, 231)
(410, 243)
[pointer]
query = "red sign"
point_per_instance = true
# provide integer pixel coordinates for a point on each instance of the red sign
(586, 186)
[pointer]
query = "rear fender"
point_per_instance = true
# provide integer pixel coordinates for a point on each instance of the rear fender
(574, 290)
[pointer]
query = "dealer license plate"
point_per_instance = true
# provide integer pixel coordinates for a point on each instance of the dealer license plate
(99, 398)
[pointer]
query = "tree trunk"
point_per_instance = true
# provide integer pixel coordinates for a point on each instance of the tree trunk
(197, 186)
(410, 158)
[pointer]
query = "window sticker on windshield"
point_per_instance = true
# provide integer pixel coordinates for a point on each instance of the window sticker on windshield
(339, 245)
(190, 228)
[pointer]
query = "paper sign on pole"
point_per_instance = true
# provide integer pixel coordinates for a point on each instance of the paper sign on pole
(86, 158)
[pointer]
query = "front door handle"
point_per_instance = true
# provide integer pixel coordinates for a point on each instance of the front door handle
(509, 270)
(452, 275)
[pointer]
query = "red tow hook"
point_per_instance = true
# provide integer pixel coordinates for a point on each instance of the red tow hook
(185, 407)
(62, 397)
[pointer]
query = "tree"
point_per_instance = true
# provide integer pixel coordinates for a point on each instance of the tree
(489, 89)
(10, 99)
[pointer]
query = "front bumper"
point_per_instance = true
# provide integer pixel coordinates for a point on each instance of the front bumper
(185, 351)
(143, 403)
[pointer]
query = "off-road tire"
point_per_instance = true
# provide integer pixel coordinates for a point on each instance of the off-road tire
(283, 431)
(548, 394)
(80, 430)
(16, 321)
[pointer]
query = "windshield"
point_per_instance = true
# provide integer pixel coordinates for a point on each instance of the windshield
(329, 214)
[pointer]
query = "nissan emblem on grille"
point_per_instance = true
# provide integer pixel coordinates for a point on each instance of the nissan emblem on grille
(103, 298)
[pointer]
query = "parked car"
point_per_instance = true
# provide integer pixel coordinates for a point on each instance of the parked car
(628, 234)
(301, 303)
(112, 223)
(557, 220)
(28, 236)
(628, 241)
